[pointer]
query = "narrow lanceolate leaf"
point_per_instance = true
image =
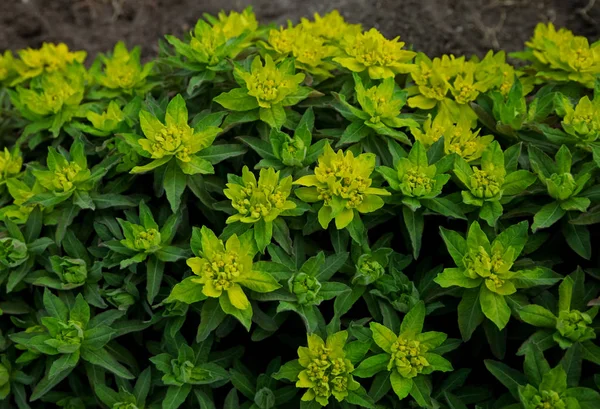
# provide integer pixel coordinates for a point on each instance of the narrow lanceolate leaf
(509, 377)
(174, 183)
(414, 223)
(470, 315)
(154, 274)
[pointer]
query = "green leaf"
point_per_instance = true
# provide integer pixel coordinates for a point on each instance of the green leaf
(535, 365)
(175, 396)
(415, 224)
(578, 238)
(104, 359)
(242, 383)
(218, 153)
(509, 377)
(547, 216)
(354, 133)
(413, 321)
(401, 386)
(494, 307)
(591, 352)
(421, 391)
(174, 183)
(372, 365)
(274, 116)
(154, 274)
(456, 245)
(211, 316)
(538, 316)
(470, 315)
(188, 291)
(359, 397)
(289, 371)
(263, 232)
(237, 100)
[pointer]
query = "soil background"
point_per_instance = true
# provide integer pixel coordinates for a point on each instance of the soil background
(433, 26)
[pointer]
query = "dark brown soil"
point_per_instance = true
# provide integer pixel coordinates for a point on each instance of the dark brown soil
(432, 26)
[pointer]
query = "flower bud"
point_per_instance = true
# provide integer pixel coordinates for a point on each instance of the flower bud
(13, 252)
(561, 186)
(305, 287)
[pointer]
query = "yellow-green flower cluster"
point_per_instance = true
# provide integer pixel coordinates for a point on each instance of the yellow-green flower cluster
(312, 53)
(372, 52)
(434, 79)
(459, 137)
(326, 371)
(224, 269)
(560, 55)
(263, 199)
(583, 120)
(20, 192)
(225, 37)
(108, 120)
(54, 92)
(174, 137)
(268, 83)
(343, 183)
(10, 163)
(47, 59)
(414, 176)
(123, 70)
(65, 175)
(7, 66)
(331, 27)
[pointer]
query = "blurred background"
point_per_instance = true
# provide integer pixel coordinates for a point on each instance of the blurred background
(433, 26)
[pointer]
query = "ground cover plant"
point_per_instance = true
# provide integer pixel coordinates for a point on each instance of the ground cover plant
(298, 217)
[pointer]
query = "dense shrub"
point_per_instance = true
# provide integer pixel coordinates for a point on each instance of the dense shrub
(300, 217)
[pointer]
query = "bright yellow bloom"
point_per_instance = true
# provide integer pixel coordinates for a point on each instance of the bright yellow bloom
(343, 183)
(583, 120)
(224, 268)
(331, 26)
(7, 65)
(49, 58)
(465, 142)
(433, 129)
(175, 137)
(108, 120)
(310, 51)
(10, 163)
(371, 51)
(54, 92)
(435, 78)
(235, 24)
(263, 199)
(326, 371)
(123, 70)
(269, 84)
(562, 56)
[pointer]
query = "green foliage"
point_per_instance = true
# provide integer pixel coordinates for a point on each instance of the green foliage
(300, 217)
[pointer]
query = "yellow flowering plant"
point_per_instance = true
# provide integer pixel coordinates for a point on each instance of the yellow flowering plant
(260, 202)
(379, 113)
(372, 52)
(437, 80)
(491, 184)
(342, 182)
(559, 55)
(7, 67)
(331, 27)
(172, 143)
(428, 222)
(52, 100)
(312, 53)
(47, 59)
(485, 270)
(323, 368)
(220, 271)
(266, 89)
(121, 72)
(409, 356)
